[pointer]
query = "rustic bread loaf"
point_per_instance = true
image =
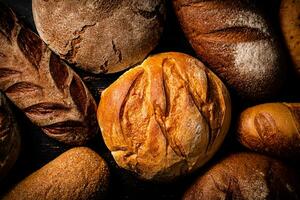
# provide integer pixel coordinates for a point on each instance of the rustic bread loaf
(9, 137)
(41, 85)
(272, 128)
(103, 36)
(237, 42)
(246, 176)
(290, 25)
(166, 117)
(77, 174)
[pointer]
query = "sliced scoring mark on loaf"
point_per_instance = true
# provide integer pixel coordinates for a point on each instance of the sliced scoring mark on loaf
(230, 35)
(6, 72)
(78, 94)
(31, 46)
(7, 21)
(45, 108)
(21, 88)
(65, 127)
(59, 71)
(295, 110)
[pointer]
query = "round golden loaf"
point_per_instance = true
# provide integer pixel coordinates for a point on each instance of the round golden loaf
(272, 128)
(246, 176)
(103, 36)
(77, 174)
(10, 139)
(166, 117)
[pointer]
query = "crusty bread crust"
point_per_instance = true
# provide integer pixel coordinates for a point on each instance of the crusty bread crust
(237, 42)
(166, 117)
(103, 36)
(47, 90)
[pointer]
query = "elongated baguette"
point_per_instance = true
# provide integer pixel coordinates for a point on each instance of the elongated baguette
(42, 86)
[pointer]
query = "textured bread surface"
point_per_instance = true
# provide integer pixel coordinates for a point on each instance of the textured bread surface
(246, 176)
(79, 174)
(9, 137)
(46, 89)
(272, 128)
(166, 117)
(102, 36)
(237, 42)
(290, 26)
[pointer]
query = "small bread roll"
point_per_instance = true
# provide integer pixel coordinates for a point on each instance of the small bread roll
(246, 176)
(103, 36)
(272, 128)
(10, 140)
(77, 174)
(166, 117)
(290, 25)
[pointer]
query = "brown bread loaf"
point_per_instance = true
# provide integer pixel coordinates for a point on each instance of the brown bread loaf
(9, 137)
(272, 128)
(167, 117)
(103, 36)
(246, 176)
(290, 26)
(237, 42)
(77, 174)
(41, 85)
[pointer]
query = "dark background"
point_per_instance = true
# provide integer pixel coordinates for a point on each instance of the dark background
(38, 148)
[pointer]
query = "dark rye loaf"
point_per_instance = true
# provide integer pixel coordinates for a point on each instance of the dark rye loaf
(237, 42)
(46, 89)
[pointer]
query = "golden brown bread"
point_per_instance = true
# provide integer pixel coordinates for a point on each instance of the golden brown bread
(77, 174)
(47, 90)
(100, 36)
(246, 176)
(237, 42)
(166, 117)
(9, 137)
(290, 26)
(272, 128)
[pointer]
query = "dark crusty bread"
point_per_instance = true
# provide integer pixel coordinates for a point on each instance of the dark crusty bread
(246, 176)
(166, 117)
(290, 26)
(41, 85)
(77, 174)
(102, 36)
(272, 128)
(9, 137)
(237, 42)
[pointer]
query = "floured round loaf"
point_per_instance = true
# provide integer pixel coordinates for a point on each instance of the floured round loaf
(237, 42)
(272, 128)
(246, 176)
(290, 26)
(166, 117)
(9, 137)
(103, 36)
(77, 174)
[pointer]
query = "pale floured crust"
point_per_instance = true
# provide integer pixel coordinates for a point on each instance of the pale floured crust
(103, 36)
(166, 117)
(237, 42)
(9, 137)
(272, 128)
